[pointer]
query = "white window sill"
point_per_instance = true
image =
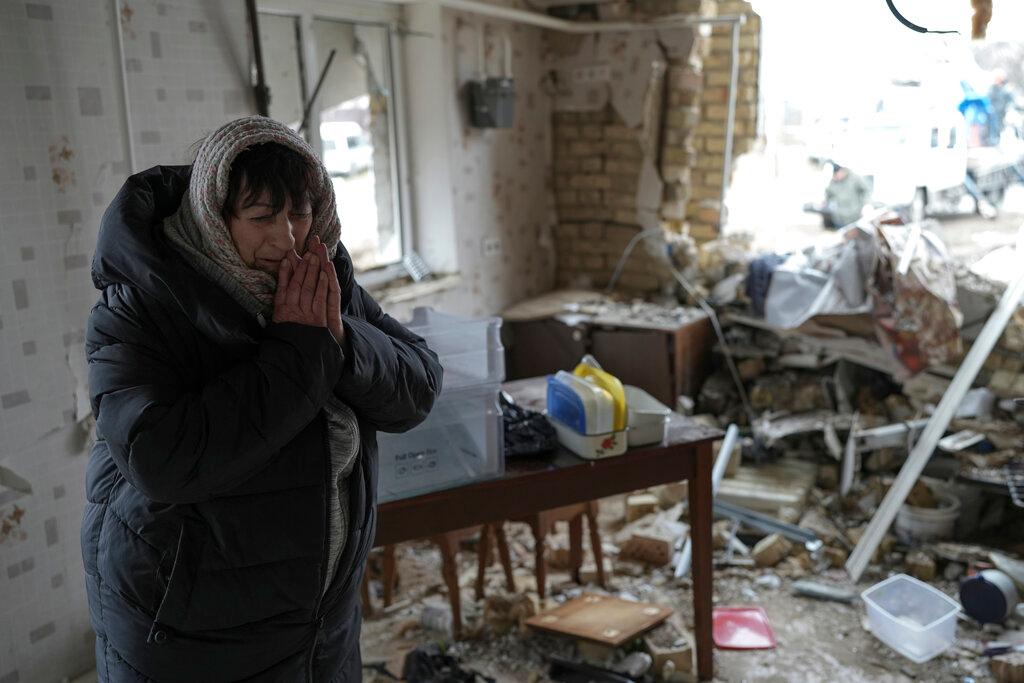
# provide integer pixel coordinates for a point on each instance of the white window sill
(404, 289)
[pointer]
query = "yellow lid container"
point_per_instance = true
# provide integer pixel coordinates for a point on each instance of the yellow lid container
(612, 385)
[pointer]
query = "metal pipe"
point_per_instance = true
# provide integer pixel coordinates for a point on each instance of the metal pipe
(316, 91)
(769, 525)
(937, 423)
(732, 435)
(730, 118)
(128, 133)
(260, 90)
(566, 26)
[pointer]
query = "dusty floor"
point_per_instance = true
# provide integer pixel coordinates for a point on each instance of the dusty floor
(817, 641)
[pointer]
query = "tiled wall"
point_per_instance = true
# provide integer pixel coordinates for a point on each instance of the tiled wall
(62, 129)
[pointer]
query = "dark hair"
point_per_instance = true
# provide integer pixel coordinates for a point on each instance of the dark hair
(271, 168)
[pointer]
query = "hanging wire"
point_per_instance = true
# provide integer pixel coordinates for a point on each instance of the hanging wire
(909, 24)
(701, 303)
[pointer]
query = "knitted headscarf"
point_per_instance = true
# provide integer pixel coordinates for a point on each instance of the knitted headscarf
(199, 230)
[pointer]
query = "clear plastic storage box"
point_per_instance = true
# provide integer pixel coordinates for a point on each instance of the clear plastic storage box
(469, 348)
(462, 440)
(911, 617)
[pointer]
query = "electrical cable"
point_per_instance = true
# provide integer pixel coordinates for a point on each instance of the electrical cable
(701, 303)
(909, 24)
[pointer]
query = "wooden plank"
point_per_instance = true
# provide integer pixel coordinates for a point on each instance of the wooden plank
(768, 488)
(600, 619)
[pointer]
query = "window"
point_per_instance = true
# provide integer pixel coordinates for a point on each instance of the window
(352, 121)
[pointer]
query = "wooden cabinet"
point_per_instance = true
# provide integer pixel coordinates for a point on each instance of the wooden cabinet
(664, 361)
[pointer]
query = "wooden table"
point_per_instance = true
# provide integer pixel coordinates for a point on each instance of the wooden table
(532, 485)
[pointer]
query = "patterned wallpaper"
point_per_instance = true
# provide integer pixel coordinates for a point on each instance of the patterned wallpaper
(501, 177)
(62, 129)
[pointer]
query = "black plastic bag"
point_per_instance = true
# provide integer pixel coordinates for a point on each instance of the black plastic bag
(527, 432)
(429, 664)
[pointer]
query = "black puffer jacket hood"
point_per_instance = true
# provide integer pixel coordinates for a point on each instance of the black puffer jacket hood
(203, 537)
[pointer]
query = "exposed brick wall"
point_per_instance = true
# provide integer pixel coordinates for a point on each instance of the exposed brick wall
(598, 159)
(597, 169)
(708, 141)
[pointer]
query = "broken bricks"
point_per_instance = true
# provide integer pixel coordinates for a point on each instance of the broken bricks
(505, 612)
(652, 547)
(921, 565)
(1008, 668)
(640, 505)
(770, 550)
(671, 649)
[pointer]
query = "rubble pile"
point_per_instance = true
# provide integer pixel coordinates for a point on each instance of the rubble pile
(831, 386)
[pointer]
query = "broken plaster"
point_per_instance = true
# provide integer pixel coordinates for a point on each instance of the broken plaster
(637, 64)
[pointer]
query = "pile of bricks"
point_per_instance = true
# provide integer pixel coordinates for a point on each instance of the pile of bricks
(1005, 365)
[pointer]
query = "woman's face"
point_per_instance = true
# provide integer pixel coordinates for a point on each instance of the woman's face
(263, 237)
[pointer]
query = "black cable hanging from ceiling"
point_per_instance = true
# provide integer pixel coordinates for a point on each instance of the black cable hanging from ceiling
(909, 24)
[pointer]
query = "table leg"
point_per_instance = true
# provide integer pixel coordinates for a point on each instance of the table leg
(364, 592)
(389, 574)
(700, 535)
(450, 572)
(506, 558)
(595, 541)
(483, 549)
(575, 547)
(539, 568)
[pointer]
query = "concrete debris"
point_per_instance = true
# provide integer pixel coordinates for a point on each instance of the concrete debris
(921, 565)
(671, 650)
(436, 615)
(652, 547)
(503, 613)
(922, 496)
(670, 494)
(1008, 668)
(588, 572)
(635, 664)
(820, 591)
(770, 550)
(595, 653)
(640, 505)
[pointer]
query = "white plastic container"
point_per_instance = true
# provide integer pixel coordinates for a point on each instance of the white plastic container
(647, 417)
(579, 404)
(911, 617)
(590, 446)
(469, 349)
(462, 441)
(915, 525)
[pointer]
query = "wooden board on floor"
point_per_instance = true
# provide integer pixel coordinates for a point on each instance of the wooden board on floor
(770, 488)
(600, 619)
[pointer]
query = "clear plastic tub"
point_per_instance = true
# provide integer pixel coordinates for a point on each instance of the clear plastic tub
(648, 417)
(469, 349)
(462, 441)
(911, 617)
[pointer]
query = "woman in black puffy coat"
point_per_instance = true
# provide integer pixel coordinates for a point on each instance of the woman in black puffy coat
(238, 377)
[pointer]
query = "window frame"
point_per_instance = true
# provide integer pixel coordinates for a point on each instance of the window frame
(383, 16)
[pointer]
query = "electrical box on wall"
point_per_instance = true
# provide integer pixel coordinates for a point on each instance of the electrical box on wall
(492, 100)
